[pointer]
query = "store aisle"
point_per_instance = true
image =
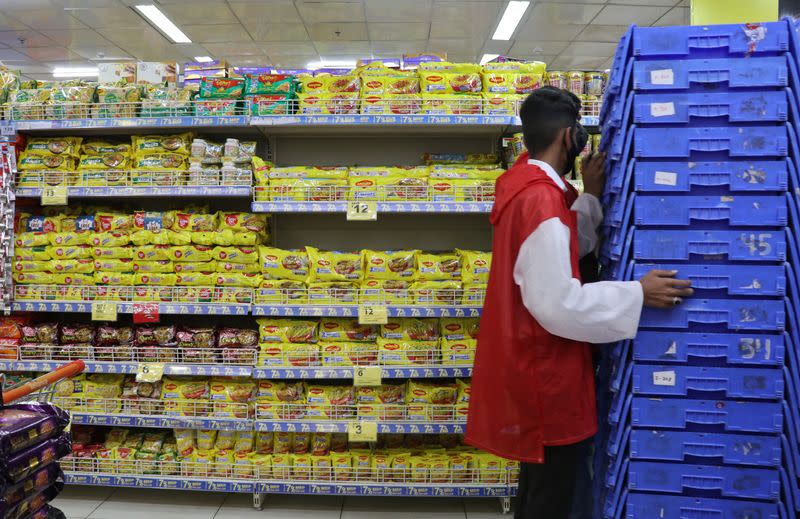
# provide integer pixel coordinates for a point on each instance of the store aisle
(126, 503)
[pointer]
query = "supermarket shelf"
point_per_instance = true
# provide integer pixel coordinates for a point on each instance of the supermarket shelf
(125, 191)
(131, 367)
(382, 207)
(344, 373)
(133, 123)
(161, 422)
(341, 426)
(291, 487)
(128, 308)
(352, 311)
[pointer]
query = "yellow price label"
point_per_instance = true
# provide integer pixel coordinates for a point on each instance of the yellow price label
(54, 195)
(367, 376)
(373, 314)
(362, 432)
(105, 311)
(149, 372)
(362, 210)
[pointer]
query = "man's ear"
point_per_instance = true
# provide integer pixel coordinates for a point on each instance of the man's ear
(567, 138)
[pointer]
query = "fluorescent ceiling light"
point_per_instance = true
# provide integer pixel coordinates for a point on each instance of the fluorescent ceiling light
(511, 18)
(163, 23)
(203, 59)
(65, 72)
(348, 63)
(487, 58)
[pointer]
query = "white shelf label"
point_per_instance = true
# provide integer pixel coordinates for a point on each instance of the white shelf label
(662, 109)
(662, 77)
(663, 378)
(362, 210)
(666, 178)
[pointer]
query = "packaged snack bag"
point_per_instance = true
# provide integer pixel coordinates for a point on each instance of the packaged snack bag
(389, 264)
(155, 278)
(474, 294)
(221, 88)
(109, 222)
(283, 264)
(190, 253)
(241, 222)
(194, 266)
(31, 254)
(458, 351)
(332, 293)
(269, 84)
(99, 252)
(464, 104)
(339, 103)
(161, 266)
(437, 292)
(240, 268)
(288, 354)
(31, 239)
(345, 329)
(334, 266)
(272, 104)
(235, 254)
(287, 330)
(284, 292)
(459, 328)
(332, 402)
(312, 189)
(146, 144)
(264, 442)
(342, 466)
(410, 329)
(386, 291)
(438, 267)
(66, 146)
(283, 442)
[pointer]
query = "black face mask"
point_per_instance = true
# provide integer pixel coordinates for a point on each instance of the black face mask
(579, 139)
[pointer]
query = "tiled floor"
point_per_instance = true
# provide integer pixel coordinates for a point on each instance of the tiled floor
(124, 503)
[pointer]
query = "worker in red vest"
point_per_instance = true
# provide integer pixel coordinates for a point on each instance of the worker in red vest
(533, 397)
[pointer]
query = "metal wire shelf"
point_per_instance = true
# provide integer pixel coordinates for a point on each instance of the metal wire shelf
(233, 177)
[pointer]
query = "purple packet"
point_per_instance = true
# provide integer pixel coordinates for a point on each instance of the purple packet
(32, 485)
(31, 506)
(24, 425)
(26, 462)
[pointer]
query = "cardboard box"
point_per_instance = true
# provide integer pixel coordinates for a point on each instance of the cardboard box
(156, 72)
(114, 72)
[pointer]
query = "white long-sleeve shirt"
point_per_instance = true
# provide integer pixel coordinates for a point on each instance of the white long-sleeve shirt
(600, 312)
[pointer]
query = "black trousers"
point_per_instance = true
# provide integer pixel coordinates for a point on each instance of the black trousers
(546, 490)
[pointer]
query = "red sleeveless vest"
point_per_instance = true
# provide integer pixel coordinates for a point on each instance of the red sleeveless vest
(530, 389)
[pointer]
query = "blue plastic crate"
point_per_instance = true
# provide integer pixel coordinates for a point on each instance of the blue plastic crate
(616, 413)
(618, 117)
(716, 143)
(766, 315)
(767, 106)
(725, 280)
(711, 480)
(682, 446)
(707, 415)
(619, 62)
(614, 503)
(660, 506)
(704, 75)
(745, 383)
(709, 41)
(615, 444)
(764, 245)
(791, 489)
(614, 474)
(733, 210)
(736, 349)
(722, 177)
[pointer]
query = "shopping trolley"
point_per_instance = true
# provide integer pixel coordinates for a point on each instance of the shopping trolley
(40, 389)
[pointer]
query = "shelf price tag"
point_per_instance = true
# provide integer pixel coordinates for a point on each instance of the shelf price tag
(373, 314)
(362, 432)
(54, 195)
(149, 372)
(145, 313)
(104, 311)
(367, 376)
(362, 210)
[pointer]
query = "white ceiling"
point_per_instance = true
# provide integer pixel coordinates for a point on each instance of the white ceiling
(37, 35)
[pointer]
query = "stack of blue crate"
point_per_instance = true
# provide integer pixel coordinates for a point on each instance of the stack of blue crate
(702, 419)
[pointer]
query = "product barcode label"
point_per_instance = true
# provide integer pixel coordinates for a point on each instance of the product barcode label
(662, 77)
(663, 378)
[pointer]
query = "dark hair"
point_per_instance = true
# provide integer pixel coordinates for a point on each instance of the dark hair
(544, 113)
